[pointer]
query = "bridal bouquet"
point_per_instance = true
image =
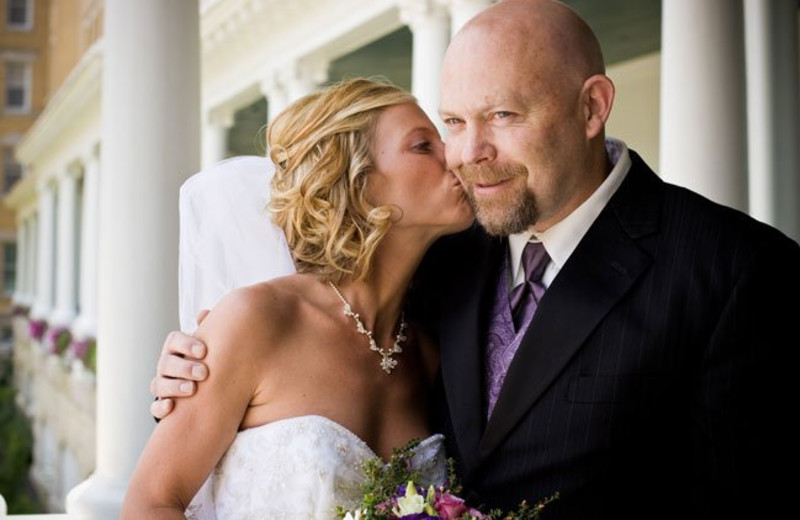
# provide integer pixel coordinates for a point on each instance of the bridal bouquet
(390, 494)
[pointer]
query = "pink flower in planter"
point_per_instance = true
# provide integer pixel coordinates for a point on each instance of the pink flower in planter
(36, 328)
(84, 349)
(58, 339)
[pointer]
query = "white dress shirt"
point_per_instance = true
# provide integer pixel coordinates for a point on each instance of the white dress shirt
(561, 239)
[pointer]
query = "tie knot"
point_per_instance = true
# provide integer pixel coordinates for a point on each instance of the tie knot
(534, 261)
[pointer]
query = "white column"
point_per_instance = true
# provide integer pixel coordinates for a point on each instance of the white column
(703, 120)
(772, 112)
(32, 255)
(428, 22)
(461, 11)
(25, 279)
(22, 261)
(277, 98)
(67, 254)
(151, 132)
(86, 324)
(45, 272)
(215, 136)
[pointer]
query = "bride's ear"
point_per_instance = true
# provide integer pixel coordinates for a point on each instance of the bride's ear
(597, 97)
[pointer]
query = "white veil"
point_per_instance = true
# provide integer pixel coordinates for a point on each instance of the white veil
(227, 239)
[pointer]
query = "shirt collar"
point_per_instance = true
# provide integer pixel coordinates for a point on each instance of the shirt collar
(561, 239)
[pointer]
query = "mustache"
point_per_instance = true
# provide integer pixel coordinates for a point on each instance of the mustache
(490, 173)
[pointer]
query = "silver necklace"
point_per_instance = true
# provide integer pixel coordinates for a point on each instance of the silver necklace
(387, 361)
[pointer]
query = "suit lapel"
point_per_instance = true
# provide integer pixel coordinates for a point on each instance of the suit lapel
(600, 271)
(462, 332)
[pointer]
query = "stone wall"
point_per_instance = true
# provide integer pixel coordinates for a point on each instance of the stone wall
(58, 395)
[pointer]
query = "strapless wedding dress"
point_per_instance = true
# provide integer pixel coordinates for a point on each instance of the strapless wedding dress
(299, 468)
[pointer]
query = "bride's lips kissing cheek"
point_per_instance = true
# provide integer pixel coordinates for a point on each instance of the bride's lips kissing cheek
(456, 183)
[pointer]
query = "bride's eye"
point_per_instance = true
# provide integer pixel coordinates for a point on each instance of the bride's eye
(422, 147)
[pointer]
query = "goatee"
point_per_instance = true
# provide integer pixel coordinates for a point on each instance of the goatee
(501, 215)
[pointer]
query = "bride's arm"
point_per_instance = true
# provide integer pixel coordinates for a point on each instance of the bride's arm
(185, 447)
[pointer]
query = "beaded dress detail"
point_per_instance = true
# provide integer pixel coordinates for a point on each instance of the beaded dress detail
(299, 468)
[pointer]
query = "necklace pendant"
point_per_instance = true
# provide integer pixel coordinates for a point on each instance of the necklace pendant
(388, 363)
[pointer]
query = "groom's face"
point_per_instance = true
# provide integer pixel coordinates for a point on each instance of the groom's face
(515, 129)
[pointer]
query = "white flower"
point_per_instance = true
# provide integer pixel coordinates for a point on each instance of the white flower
(353, 515)
(410, 504)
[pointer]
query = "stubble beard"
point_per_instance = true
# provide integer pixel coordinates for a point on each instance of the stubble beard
(507, 215)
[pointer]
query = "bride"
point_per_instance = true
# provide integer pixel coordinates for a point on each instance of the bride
(312, 373)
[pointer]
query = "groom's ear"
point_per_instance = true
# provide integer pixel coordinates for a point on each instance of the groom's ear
(597, 98)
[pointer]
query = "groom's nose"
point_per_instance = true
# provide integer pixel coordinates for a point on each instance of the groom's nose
(472, 145)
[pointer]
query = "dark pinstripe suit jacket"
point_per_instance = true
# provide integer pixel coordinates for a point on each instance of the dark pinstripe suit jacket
(653, 380)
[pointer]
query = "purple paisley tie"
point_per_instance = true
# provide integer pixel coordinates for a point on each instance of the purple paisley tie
(525, 297)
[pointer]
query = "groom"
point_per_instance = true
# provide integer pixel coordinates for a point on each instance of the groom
(644, 372)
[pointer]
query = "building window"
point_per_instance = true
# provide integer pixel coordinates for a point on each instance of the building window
(12, 170)
(9, 267)
(18, 14)
(17, 81)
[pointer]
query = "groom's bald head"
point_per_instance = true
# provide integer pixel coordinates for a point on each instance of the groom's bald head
(544, 39)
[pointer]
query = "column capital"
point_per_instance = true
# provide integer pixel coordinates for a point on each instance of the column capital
(270, 84)
(461, 11)
(93, 154)
(75, 169)
(44, 186)
(466, 4)
(301, 77)
(415, 12)
(294, 79)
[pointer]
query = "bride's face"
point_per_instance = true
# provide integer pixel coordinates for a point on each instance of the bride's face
(411, 173)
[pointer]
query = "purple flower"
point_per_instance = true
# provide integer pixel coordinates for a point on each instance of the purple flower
(79, 348)
(401, 490)
(36, 328)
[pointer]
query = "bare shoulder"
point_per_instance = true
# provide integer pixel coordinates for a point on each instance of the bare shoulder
(255, 313)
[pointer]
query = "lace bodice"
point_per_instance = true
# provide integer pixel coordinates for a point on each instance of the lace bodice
(299, 468)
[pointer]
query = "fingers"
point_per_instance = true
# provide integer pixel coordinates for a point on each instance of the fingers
(202, 315)
(165, 387)
(176, 367)
(161, 408)
(181, 344)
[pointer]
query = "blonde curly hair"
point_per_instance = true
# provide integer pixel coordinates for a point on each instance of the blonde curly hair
(321, 148)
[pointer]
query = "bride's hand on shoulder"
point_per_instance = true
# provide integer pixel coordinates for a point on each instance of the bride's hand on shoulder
(180, 368)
